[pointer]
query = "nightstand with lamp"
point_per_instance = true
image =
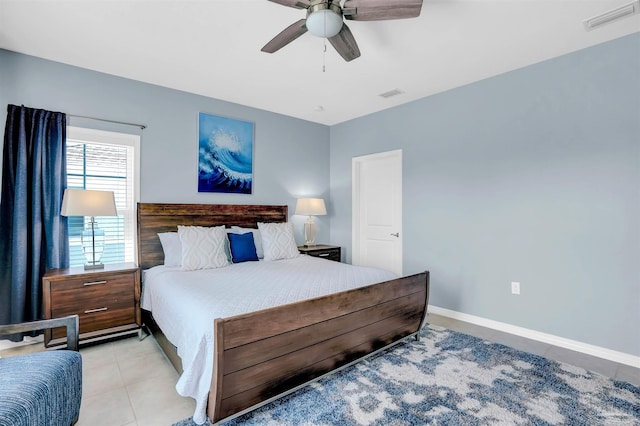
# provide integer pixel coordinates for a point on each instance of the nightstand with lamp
(106, 298)
(315, 207)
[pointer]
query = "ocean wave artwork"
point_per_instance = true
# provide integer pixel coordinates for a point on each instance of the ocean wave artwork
(225, 155)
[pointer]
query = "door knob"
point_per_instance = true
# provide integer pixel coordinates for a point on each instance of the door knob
(397, 235)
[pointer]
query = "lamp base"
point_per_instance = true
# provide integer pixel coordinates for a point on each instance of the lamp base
(90, 266)
(310, 229)
(93, 246)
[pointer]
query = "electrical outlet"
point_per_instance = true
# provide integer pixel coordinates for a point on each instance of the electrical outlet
(515, 287)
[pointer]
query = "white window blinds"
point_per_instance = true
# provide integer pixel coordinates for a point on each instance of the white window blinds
(105, 161)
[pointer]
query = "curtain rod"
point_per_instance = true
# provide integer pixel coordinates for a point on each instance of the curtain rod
(142, 126)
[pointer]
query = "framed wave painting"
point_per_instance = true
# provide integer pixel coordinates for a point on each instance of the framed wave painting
(225, 155)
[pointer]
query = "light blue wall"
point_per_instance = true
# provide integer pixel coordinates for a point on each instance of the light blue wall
(291, 156)
(530, 176)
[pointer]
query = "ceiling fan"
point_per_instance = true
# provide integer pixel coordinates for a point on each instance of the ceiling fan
(325, 19)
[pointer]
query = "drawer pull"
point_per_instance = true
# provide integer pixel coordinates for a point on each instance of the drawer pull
(323, 255)
(95, 283)
(91, 311)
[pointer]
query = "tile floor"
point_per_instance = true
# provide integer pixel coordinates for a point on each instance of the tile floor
(129, 382)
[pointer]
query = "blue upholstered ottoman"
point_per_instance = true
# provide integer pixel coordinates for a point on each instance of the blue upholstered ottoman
(41, 389)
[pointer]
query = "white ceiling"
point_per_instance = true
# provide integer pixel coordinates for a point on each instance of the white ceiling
(212, 47)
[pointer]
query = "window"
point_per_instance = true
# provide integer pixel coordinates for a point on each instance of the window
(106, 161)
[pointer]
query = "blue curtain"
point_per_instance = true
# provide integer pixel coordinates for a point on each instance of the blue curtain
(33, 234)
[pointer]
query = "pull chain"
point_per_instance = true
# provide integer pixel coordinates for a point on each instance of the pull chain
(324, 39)
(324, 56)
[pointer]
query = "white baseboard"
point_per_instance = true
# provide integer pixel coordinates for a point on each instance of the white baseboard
(600, 352)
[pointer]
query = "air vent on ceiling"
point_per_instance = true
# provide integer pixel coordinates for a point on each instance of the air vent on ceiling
(612, 15)
(391, 93)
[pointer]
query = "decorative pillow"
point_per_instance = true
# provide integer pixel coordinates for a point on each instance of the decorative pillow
(242, 247)
(257, 240)
(172, 248)
(203, 247)
(278, 241)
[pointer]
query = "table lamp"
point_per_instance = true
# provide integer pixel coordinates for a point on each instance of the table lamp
(92, 203)
(310, 207)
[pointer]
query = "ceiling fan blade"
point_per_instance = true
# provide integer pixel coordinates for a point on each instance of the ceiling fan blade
(285, 37)
(345, 44)
(298, 4)
(381, 10)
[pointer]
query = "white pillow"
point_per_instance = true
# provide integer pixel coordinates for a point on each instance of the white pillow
(172, 248)
(203, 247)
(257, 240)
(278, 241)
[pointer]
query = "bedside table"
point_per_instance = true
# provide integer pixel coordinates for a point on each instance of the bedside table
(106, 300)
(322, 250)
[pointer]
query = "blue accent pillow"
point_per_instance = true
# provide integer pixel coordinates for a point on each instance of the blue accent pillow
(242, 247)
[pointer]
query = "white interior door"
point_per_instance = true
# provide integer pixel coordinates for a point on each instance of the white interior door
(377, 210)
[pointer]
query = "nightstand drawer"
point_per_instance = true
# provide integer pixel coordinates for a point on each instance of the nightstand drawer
(327, 254)
(99, 318)
(76, 294)
(322, 251)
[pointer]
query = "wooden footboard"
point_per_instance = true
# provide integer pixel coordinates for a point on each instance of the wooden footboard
(264, 354)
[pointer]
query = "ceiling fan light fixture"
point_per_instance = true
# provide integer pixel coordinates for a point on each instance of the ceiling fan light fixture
(324, 22)
(324, 18)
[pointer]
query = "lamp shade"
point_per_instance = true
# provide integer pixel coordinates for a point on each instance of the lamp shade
(85, 202)
(310, 207)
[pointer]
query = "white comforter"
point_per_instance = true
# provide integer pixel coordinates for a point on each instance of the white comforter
(185, 303)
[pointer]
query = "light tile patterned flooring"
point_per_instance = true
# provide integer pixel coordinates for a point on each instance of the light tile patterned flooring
(129, 382)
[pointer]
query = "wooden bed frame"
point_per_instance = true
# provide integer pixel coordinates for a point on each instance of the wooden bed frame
(263, 355)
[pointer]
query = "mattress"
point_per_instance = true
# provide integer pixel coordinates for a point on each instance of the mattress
(184, 304)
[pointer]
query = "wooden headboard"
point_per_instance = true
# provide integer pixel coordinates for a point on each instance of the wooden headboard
(154, 218)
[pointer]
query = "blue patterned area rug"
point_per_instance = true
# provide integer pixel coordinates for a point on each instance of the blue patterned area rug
(449, 378)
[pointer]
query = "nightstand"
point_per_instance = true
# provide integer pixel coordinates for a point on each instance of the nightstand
(106, 300)
(323, 251)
